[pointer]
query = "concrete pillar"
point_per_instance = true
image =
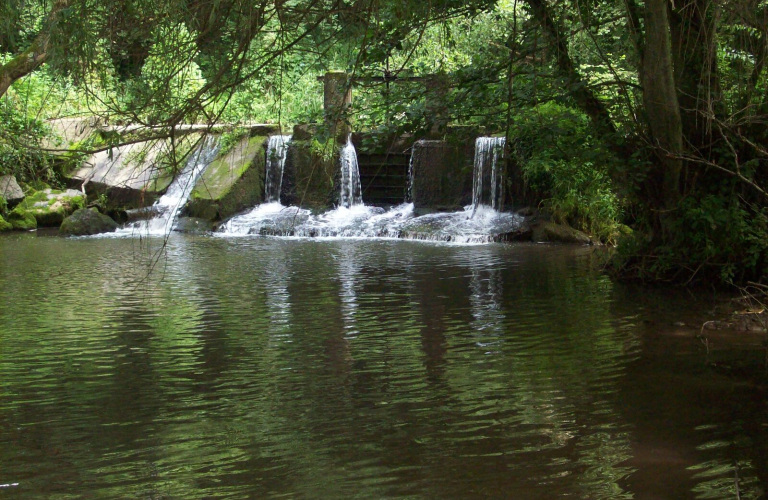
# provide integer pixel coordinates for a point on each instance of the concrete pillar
(337, 98)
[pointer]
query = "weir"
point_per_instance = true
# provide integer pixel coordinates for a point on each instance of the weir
(479, 222)
(169, 205)
(277, 152)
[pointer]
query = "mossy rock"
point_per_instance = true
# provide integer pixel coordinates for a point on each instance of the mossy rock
(50, 207)
(5, 225)
(22, 220)
(86, 222)
(232, 182)
(549, 232)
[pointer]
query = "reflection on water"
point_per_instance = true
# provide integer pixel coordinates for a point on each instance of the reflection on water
(258, 368)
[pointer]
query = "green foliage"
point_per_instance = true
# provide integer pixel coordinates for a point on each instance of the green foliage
(715, 238)
(20, 142)
(324, 150)
(561, 160)
(4, 225)
(228, 140)
(170, 76)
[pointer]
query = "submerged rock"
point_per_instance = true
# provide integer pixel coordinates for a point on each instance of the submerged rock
(10, 190)
(549, 232)
(87, 221)
(22, 220)
(49, 207)
(193, 225)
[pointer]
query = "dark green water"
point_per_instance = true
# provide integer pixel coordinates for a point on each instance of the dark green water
(258, 368)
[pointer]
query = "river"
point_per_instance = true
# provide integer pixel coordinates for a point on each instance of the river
(235, 368)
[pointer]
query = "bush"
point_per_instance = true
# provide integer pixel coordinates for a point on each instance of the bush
(20, 143)
(569, 167)
(715, 238)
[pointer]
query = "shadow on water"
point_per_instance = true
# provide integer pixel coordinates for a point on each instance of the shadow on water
(259, 368)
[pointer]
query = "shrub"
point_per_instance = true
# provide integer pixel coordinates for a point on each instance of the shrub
(561, 160)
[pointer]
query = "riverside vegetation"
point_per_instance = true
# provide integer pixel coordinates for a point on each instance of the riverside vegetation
(639, 122)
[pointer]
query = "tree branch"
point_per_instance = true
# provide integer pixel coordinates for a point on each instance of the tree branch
(35, 55)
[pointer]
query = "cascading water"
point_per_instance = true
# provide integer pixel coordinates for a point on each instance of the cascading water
(351, 190)
(487, 179)
(277, 152)
(477, 223)
(409, 190)
(170, 204)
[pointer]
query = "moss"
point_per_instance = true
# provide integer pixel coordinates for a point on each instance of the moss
(3, 206)
(50, 207)
(34, 186)
(232, 182)
(4, 225)
(222, 174)
(310, 174)
(22, 220)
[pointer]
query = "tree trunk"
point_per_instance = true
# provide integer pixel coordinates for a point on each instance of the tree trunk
(37, 53)
(661, 103)
(693, 25)
(584, 97)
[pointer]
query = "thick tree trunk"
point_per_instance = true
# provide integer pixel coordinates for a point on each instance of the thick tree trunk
(23, 64)
(579, 90)
(693, 25)
(31, 59)
(661, 103)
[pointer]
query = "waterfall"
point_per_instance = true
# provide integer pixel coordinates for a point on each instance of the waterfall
(351, 190)
(170, 204)
(411, 176)
(277, 151)
(487, 180)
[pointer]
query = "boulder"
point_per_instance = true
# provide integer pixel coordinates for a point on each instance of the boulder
(549, 232)
(10, 190)
(86, 221)
(4, 225)
(526, 212)
(49, 207)
(22, 220)
(232, 182)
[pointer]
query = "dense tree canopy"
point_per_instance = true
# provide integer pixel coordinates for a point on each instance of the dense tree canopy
(648, 114)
